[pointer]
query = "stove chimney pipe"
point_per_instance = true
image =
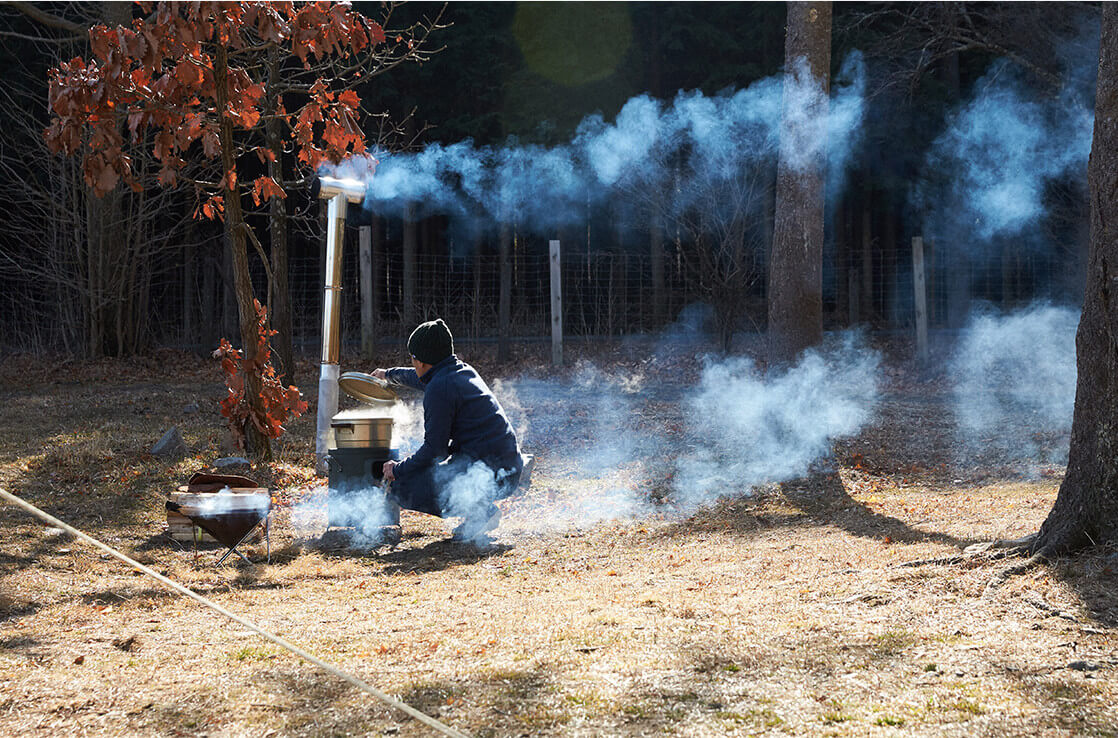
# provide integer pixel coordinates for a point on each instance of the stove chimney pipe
(338, 193)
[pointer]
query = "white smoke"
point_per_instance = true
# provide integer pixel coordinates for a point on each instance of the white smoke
(686, 147)
(1003, 148)
(585, 429)
(367, 509)
(226, 501)
(740, 428)
(988, 176)
(746, 428)
(1014, 383)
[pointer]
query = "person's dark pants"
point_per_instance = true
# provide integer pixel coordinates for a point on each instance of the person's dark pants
(460, 486)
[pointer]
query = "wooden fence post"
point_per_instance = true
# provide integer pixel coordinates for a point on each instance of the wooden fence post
(365, 268)
(921, 295)
(556, 305)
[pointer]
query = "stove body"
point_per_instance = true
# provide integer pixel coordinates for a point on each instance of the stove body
(357, 497)
(361, 443)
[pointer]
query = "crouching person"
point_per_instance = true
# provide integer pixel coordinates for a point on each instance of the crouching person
(470, 457)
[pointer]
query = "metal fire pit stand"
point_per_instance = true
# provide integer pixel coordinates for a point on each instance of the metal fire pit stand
(212, 524)
(267, 521)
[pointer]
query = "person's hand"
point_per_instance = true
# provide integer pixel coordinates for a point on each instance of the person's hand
(381, 374)
(389, 471)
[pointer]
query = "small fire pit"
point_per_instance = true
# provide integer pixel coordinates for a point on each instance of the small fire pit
(230, 517)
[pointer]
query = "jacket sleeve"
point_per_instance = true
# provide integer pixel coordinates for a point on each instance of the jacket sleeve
(438, 416)
(406, 376)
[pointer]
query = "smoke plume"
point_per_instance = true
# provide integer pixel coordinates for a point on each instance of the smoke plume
(1014, 381)
(670, 154)
(607, 444)
(988, 175)
(746, 428)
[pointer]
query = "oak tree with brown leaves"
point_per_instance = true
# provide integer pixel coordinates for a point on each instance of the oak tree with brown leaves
(184, 82)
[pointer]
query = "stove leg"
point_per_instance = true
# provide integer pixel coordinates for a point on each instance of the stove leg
(234, 548)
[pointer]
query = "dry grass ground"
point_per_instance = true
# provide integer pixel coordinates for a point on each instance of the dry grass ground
(790, 611)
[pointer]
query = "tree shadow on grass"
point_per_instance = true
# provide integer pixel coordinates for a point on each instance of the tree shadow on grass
(513, 694)
(13, 609)
(21, 643)
(100, 515)
(820, 499)
(1069, 699)
(1091, 573)
(8, 560)
(246, 579)
(734, 687)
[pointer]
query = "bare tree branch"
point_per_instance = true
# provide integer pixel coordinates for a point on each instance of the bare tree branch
(34, 12)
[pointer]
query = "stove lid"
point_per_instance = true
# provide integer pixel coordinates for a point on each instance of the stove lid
(366, 388)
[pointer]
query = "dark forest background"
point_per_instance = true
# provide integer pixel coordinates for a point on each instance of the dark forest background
(76, 282)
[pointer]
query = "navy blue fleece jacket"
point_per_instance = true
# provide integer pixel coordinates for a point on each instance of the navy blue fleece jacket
(460, 416)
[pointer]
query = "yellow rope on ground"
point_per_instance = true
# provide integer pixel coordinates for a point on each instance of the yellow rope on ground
(383, 697)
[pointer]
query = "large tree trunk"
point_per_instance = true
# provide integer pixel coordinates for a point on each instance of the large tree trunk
(1086, 509)
(228, 286)
(889, 267)
(376, 268)
(796, 267)
(257, 443)
(94, 322)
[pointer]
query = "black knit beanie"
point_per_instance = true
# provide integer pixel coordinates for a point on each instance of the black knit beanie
(431, 342)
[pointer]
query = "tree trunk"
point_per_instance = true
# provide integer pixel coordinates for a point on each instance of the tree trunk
(94, 324)
(475, 313)
(796, 267)
(257, 443)
(889, 265)
(1086, 508)
(228, 291)
(426, 278)
(280, 304)
(379, 279)
(369, 265)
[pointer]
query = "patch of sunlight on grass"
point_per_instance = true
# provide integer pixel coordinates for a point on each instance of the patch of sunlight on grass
(893, 641)
(251, 653)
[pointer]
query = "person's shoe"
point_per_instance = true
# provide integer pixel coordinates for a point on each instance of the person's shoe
(526, 471)
(475, 530)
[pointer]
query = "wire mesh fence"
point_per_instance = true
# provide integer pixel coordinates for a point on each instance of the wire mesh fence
(603, 294)
(606, 292)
